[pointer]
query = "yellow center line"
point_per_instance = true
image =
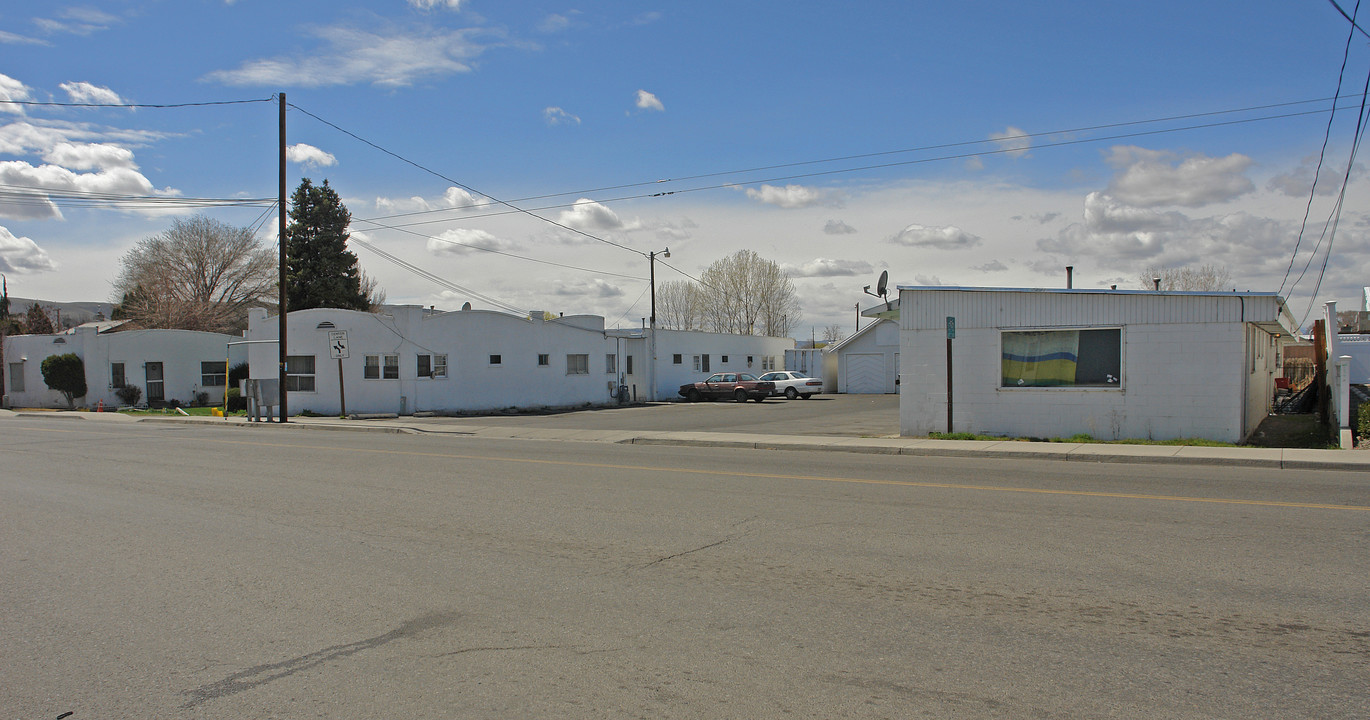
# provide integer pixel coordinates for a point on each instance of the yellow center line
(776, 476)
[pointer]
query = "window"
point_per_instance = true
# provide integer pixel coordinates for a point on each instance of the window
(544, 360)
(16, 377)
(611, 363)
(723, 359)
(577, 364)
(496, 359)
(676, 359)
(696, 363)
(299, 373)
(431, 366)
(381, 367)
(630, 364)
(1062, 358)
(116, 375)
(212, 374)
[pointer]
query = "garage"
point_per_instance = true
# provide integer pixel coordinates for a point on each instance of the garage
(866, 373)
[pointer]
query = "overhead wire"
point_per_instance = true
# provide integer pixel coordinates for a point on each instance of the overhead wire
(40, 103)
(443, 282)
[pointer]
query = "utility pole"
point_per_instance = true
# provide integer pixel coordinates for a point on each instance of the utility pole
(280, 240)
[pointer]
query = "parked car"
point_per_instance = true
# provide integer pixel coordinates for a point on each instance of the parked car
(728, 386)
(794, 384)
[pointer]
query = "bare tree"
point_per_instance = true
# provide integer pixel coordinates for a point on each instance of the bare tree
(746, 294)
(1204, 277)
(833, 334)
(201, 274)
(678, 306)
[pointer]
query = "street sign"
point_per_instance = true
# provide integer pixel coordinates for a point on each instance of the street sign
(337, 344)
(951, 328)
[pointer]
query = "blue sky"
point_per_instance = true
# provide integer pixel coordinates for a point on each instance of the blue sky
(962, 124)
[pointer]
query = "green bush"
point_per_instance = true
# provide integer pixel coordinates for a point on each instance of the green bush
(1362, 424)
(65, 374)
(236, 401)
(236, 373)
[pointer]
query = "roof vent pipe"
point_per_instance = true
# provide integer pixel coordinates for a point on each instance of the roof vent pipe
(1157, 283)
(1070, 277)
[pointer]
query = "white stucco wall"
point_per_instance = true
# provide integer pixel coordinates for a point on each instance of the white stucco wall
(179, 351)
(1192, 365)
(468, 338)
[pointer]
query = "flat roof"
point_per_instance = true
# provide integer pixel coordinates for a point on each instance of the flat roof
(1093, 291)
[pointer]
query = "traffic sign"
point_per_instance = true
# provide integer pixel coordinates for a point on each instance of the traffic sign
(951, 328)
(337, 344)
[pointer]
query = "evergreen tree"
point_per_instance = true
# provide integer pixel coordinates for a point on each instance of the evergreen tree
(5, 302)
(320, 270)
(37, 322)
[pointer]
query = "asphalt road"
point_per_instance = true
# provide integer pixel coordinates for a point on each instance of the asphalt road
(183, 571)
(842, 415)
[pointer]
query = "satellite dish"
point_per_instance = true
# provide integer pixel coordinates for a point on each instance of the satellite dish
(466, 306)
(880, 287)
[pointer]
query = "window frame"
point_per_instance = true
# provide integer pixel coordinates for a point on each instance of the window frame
(117, 376)
(577, 363)
(545, 360)
(209, 379)
(298, 378)
(610, 363)
(1117, 373)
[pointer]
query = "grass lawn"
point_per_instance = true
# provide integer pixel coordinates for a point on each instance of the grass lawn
(1195, 442)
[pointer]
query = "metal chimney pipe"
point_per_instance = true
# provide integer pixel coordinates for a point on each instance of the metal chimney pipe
(1070, 277)
(1156, 282)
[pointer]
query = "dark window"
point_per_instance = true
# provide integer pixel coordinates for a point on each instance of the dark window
(496, 359)
(629, 364)
(299, 373)
(544, 359)
(1062, 358)
(676, 359)
(213, 374)
(577, 364)
(116, 375)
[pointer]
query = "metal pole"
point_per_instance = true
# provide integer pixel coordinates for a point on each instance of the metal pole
(949, 386)
(280, 240)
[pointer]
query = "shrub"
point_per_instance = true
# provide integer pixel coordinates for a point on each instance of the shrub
(201, 399)
(1363, 423)
(129, 394)
(173, 403)
(236, 401)
(66, 374)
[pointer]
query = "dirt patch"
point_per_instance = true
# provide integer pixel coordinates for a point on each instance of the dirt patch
(1291, 431)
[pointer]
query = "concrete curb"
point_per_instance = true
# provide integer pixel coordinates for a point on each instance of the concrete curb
(1287, 459)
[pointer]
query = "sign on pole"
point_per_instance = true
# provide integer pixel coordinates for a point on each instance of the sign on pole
(951, 328)
(337, 344)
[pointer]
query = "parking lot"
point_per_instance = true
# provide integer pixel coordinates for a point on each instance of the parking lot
(843, 415)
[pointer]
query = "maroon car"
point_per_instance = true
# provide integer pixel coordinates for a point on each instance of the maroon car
(728, 386)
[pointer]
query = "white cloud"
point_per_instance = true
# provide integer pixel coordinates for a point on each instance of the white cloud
(1151, 178)
(948, 237)
(43, 179)
(453, 198)
(465, 241)
(1104, 214)
(794, 196)
(456, 197)
(1297, 182)
(594, 288)
(350, 56)
(1012, 141)
(11, 89)
(22, 255)
(648, 101)
(89, 156)
(309, 156)
(927, 280)
(556, 23)
(19, 138)
(77, 21)
(10, 38)
(557, 116)
(837, 227)
(587, 214)
(826, 267)
(84, 92)
(991, 266)
(430, 4)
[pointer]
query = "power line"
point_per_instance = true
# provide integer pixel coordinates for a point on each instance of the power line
(468, 188)
(443, 282)
(1350, 18)
(924, 148)
(29, 195)
(38, 103)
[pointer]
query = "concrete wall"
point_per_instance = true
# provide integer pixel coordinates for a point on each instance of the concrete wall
(180, 351)
(467, 338)
(1177, 381)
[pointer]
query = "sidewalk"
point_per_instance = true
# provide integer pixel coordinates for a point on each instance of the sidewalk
(1294, 459)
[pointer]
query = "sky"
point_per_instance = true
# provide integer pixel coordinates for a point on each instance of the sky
(531, 155)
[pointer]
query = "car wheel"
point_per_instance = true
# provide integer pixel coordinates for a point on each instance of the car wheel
(740, 396)
(791, 393)
(692, 395)
(806, 397)
(762, 398)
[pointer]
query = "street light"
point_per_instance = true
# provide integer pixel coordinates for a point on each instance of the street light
(651, 263)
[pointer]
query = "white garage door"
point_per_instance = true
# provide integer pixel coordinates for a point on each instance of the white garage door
(865, 373)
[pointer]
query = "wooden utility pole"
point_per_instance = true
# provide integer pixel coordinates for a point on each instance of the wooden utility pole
(280, 240)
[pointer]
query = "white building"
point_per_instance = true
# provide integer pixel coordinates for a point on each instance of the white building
(1112, 364)
(165, 364)
(686, 356)
(867, 362)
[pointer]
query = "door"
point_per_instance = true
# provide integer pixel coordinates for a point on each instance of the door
(704, 363)
(865, 373)
(155, 387)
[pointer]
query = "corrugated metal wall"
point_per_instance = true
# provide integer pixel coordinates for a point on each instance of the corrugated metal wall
(928, 309)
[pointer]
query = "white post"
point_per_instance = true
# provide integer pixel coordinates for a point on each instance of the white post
(1341, 395)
